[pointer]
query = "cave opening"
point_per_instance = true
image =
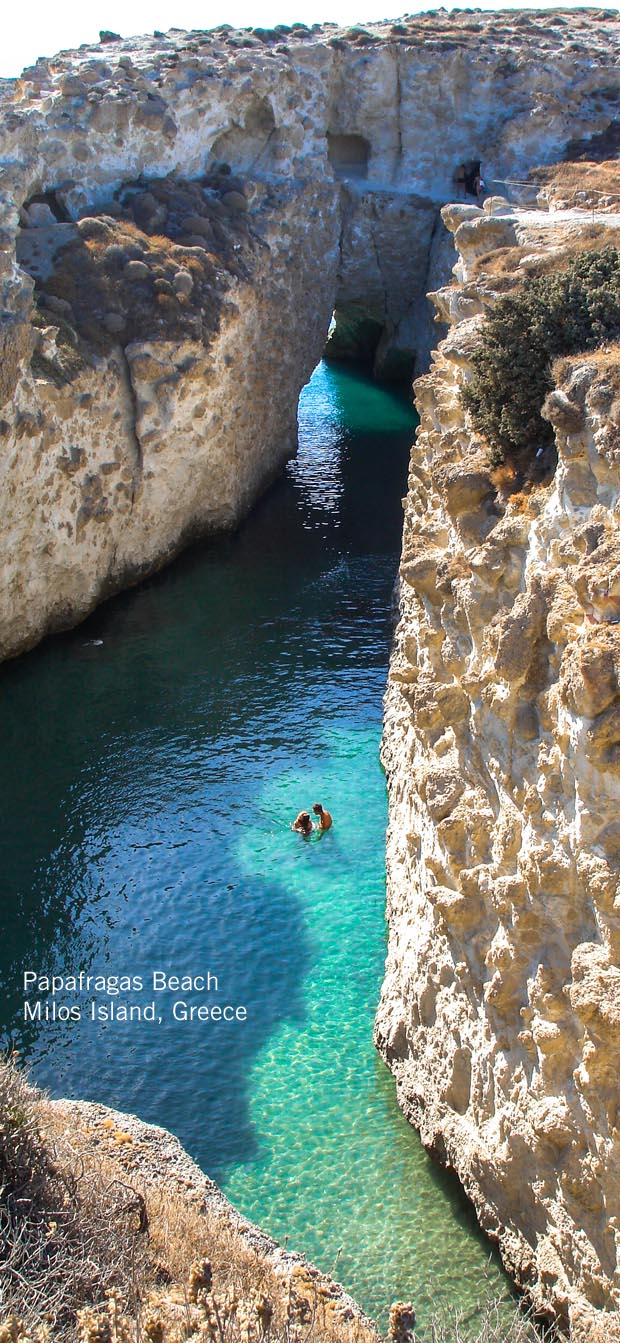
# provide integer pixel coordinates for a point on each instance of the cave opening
(45, 207)
(360, 337)
(353, 336)
(45, 225)
(466, 178)
(348, 155)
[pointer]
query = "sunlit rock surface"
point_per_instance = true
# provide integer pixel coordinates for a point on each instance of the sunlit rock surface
(500, 1011)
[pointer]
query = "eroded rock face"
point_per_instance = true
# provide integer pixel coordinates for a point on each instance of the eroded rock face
(341, 145)
(385, 244)
(500, 1011)
(159, 399)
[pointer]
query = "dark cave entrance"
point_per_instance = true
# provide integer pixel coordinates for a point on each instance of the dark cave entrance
(348, 155)
(359, 336)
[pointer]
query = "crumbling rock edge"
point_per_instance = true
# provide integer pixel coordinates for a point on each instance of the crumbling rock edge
(158, 1160)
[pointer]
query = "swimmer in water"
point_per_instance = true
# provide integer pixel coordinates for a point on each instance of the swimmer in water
(303, 824)
(325, 821)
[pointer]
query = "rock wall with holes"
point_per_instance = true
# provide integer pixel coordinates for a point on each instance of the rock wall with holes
(152, 357)
(500, 1011)
(152, 389)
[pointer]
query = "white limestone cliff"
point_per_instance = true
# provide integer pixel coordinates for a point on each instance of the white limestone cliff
(500, 1010)
(109, 471)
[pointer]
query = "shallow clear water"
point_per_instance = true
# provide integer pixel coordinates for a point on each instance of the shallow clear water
(151, 763)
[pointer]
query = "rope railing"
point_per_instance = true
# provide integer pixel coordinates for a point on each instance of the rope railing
(529, 186)
(537, 204)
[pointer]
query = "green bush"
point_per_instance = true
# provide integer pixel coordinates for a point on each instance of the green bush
(562, 313)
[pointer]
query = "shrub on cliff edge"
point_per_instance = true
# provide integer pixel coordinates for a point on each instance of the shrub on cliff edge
(71, 1231)
(562, 313)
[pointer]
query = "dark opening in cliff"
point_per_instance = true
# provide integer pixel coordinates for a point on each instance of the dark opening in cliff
(360, 336)
(348, 154)
(353, 336)
(53, 211)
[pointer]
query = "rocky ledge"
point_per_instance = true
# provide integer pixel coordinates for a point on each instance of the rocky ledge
(500, 1012)
(181, 214)
(200, 1268)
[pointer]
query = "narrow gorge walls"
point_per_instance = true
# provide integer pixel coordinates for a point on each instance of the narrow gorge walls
(159, 414)
(180, 216)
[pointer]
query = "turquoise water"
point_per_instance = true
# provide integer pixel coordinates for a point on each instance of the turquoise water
(152, 761)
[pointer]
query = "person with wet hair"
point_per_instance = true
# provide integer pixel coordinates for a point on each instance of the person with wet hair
(302, 824)
(324, 818)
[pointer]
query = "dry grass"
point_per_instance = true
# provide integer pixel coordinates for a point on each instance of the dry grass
(606, 360)
(60, 1216)
(91, 277)
(581, 184)
(517, 479)
(97, 300)
(92, 1253)
(489, 1327)
(515, 482)
(542, 256)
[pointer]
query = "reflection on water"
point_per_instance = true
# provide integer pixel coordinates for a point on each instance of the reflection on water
(153, 760)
